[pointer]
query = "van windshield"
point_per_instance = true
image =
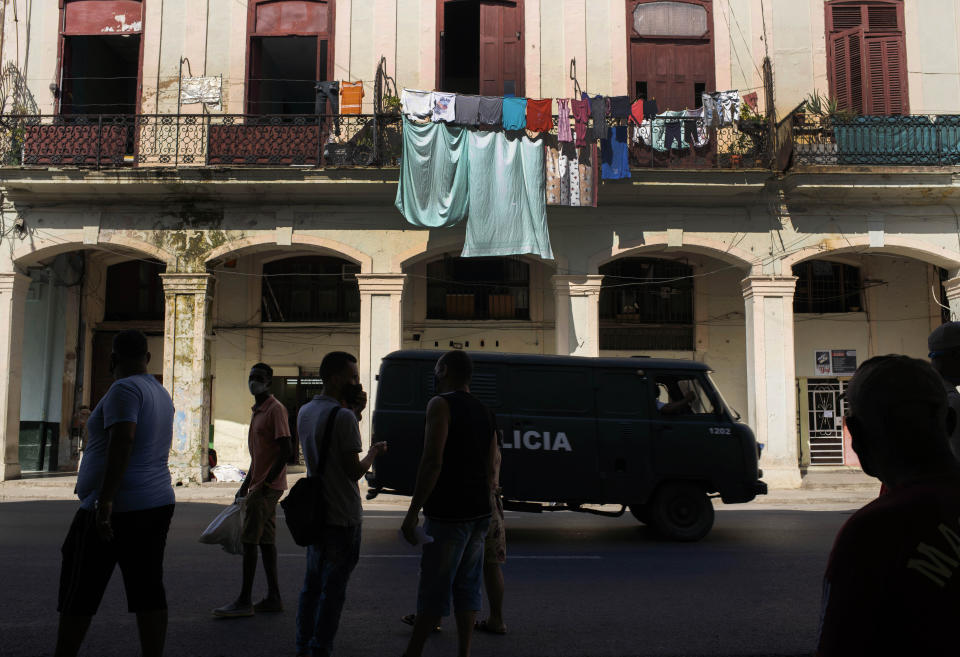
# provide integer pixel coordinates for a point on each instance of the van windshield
(682, 394)
(732, 412)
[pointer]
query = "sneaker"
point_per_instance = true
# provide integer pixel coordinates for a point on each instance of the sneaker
(233, 610)
(269, 605)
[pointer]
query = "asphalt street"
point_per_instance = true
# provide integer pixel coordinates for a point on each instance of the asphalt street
(576, 585)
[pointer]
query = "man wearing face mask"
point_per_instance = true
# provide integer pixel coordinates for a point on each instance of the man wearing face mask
(270, 449)
(944, 346)
(330, 563)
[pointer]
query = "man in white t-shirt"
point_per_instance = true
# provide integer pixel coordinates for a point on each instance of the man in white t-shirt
(329, 564)
(126, 503)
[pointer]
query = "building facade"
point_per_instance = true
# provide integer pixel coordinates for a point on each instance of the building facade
(174, 166)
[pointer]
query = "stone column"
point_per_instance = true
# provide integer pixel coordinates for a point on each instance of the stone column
(381, 325)
(952, 287)
(186, 371)
(771, 376)
(13, 294)
(577, 310)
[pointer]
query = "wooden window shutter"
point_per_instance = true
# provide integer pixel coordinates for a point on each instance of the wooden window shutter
(847, 69)
(887, 75)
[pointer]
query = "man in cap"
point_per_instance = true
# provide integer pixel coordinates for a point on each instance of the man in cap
(892, 586)
(944, 346)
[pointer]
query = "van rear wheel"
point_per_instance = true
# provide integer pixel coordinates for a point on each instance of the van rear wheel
(681, 511)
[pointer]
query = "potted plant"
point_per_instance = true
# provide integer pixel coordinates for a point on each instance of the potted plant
(391, 105)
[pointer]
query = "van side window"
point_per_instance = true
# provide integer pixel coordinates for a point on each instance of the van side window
(622, 393)
(681, 394)
(556, 390)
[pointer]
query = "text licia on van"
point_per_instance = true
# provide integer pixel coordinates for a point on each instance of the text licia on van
(537, 440)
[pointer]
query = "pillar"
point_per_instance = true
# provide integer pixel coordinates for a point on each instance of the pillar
(952, 288)
(577, 301)
(13, 295)
(771, 376)
(381, 325)
(186, 371)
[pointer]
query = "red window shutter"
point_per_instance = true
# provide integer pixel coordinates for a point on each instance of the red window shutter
(491, 81)
(845, 17)
(846, 70)
(887, 72)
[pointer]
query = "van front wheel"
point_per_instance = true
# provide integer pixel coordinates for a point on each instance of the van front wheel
(681, 511)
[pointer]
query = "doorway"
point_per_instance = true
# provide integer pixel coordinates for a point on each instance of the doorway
(822, 409)
(284, 72)
(480, 47)
(100, 74)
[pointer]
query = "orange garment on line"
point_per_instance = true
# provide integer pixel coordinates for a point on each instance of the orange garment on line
(351, 95)
(540, 115)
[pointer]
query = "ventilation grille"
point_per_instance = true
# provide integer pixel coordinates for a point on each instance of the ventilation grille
(846, 18)
(483, 387)
(883, 19)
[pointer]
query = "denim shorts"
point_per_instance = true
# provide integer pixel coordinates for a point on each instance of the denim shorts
(452, 566)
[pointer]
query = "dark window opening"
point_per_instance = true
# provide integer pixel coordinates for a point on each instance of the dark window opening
(100, 74)
(461, 47)
(310, 289)
(944, 301)
(134, 291)
(646, 304)
(827, 287)
(478, 288)
(284, 72)
(641, 89)
(699, 88)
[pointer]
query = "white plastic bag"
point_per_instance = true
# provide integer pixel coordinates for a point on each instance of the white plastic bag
(227, 473)
(225, 529)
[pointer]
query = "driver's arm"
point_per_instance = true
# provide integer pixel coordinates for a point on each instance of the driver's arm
(680, 406)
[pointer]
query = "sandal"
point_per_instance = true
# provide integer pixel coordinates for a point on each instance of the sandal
(411, 619)
(485, 626)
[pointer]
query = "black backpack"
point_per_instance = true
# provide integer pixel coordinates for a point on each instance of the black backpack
(304, 508)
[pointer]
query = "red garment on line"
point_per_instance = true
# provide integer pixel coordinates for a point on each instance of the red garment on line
(636, 111)
(540, 115)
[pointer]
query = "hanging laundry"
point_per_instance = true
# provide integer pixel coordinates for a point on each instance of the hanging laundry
(563, 120)
(589, 170)
(415, 103)
(643, 133)
(540, 115)
(667, 132)
(328, 92)
(508, 211)
(599, 106)
(614, 156)
(650, 108)
(467, 110)
(721, 108)
(351, 97)
(443, 106)
(491, 110)
(752, 101)
(433, 190)
(619, 107)
(581, 114)
(571, 173)
(636, 112)
(694, 129)
(514, 113)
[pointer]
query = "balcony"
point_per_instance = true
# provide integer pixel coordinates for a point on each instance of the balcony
(899, 141)
(307, 141)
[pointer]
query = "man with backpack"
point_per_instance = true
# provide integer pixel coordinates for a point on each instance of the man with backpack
(330, 440)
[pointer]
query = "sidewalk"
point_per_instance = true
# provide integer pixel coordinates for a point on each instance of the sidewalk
(828, 490)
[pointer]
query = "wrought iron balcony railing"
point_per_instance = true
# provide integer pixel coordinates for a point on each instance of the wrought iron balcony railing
(919, 140)
(311, 140)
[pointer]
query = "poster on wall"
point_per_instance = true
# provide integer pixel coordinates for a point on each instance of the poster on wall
(835, 362)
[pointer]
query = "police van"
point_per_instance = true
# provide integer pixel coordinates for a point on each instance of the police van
(651, 435)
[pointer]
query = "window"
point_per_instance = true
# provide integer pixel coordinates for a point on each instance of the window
(670, 46)
(826, 287)
(478, 288)
(310, 289)
(290, 50)
(551, 390)
(646, 304)
(100, 57)
(866, 57)
(480, 46)
(134, 291)
(682, 394)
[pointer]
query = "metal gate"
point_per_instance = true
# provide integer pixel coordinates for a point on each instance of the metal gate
(825, 409)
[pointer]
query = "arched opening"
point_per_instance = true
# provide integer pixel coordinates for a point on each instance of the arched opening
(76, 303)
(310, 289)
(646, 304)
(478, 289)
